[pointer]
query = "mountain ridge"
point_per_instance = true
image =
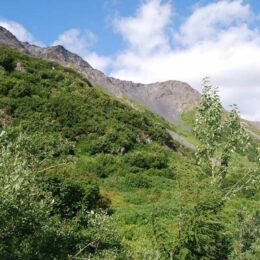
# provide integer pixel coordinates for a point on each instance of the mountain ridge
(168, 99)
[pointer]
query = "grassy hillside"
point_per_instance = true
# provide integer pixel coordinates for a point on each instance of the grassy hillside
(91, 151)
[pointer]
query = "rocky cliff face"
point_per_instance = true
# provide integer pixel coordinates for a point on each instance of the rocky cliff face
(168, 99)
(9, 40)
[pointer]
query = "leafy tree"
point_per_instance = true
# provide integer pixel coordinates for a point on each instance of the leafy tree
(219, 134)
(203, 233)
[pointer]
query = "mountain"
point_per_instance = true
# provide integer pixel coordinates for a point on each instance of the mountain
(168, 99)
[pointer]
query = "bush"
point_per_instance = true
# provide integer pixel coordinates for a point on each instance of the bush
(203, 235)
(37, 224)
(147, 160)
(7, 61)
(100, 165)
(137, 181)
(20, 91)
(6, 85)
(70, 197)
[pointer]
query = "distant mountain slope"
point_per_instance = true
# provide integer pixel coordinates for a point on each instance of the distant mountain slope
(168, 99)
(42, 96)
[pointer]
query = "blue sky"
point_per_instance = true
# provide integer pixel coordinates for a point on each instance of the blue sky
(46, 19)
(153, 40)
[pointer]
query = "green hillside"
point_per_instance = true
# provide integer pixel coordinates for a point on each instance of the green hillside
(85, 175)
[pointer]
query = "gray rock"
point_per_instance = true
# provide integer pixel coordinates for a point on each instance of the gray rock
(181, 140)
(7, 39)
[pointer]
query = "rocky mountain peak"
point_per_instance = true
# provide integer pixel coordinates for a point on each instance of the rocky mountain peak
(59, 54)
(7, 39)
(58, 48)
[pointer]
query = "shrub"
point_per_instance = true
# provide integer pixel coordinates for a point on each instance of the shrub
(100, 165)
(71, 197)
(36, 224)
(147, 160)
(19, 91)
(137, 181)
(203, 235)
(7, 61)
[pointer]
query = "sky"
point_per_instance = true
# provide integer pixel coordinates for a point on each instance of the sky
(154, 40)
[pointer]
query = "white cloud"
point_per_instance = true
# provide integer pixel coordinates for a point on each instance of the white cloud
(216, 40)
(145, 32)
(80, 42)
(19, 31)
(76, 41)
(97, 61)
(207, 22)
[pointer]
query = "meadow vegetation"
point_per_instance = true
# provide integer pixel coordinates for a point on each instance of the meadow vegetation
(84, 176)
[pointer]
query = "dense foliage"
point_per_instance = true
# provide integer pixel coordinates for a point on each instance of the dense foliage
(84, 176)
